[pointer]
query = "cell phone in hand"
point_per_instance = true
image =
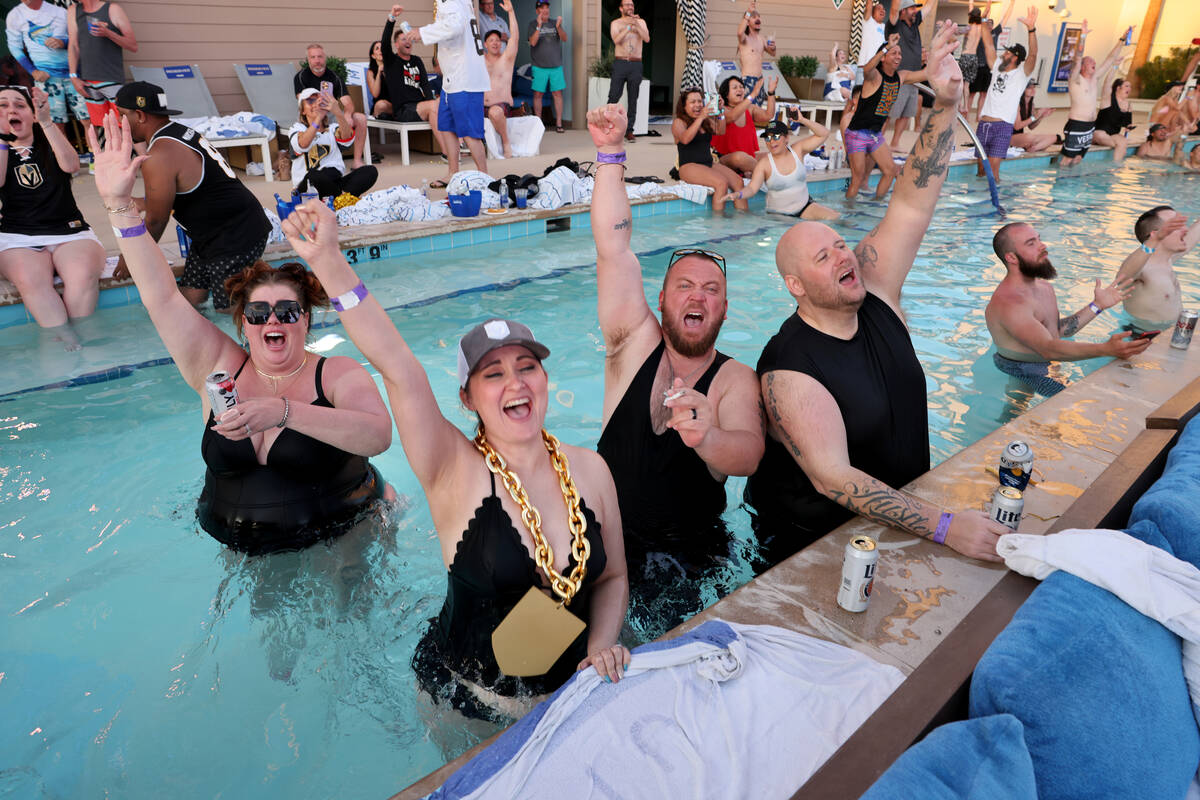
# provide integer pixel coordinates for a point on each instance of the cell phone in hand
(1145, 335)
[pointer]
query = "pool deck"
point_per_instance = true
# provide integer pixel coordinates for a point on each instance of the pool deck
(923, 591)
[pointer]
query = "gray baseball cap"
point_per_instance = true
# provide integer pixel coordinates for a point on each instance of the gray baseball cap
(486, 337)
(909, 4)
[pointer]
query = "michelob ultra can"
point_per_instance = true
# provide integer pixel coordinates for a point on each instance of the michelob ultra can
(1007, 506)
(858, 574)
(1184, 328)
(222, 394)
(1016, 465)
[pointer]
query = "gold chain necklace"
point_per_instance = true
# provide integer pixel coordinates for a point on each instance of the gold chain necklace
(276, 378)
(686, 378)
(543, 555)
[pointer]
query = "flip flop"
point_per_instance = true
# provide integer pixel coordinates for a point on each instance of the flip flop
(558, 129)
(437, 184)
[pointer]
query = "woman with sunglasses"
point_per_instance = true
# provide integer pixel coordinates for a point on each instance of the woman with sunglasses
(287, 465)
(42, 232)
(523, 521)
(784, 173)
(693, 129)
(317, 163)
(738, 146)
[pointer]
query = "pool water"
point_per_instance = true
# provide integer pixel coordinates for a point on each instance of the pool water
(137, 658)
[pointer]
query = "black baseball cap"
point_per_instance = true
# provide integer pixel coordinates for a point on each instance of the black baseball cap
(776, 128)
(144, 96)
(1019, 51)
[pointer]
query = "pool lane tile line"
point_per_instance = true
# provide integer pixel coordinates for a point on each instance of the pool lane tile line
(125, 370)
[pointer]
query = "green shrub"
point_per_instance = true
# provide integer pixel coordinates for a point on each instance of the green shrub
(1159, 71)
(787, 66)
(338, 66)
(601, 67)
(806, 66)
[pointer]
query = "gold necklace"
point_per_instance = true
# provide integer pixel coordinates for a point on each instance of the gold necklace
(543, 555)
(686, 378)
(276, 378)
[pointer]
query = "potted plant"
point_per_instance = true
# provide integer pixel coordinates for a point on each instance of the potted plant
(599, 79)
(798, 71)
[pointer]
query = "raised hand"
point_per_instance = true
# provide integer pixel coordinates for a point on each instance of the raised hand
(945, 76)
(771, 84)
(116, 172)
(1030, 18)
(397, 11)
(1083, 29)
(607, 125)
(1115, 292)
(1175, 225)
(41, 107)
(311, 229)
(692, 414)
(506, 5)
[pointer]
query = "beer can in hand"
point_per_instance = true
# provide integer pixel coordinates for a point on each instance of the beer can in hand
(405, 27)
(858, 574)
(1008, 504)
(1184, 328)
(1016, 465)
(222, 394)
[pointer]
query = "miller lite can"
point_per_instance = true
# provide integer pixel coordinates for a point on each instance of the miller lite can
(858, 574)
(1184, 328)
(1007, 506)
(222, 394)
(1016, 465)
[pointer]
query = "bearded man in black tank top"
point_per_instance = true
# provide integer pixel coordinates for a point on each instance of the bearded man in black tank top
(843, 389)
(678, 416)
(185, 175)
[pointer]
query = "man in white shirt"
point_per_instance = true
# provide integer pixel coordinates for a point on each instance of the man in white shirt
(464, 77)
(873, 38)
(1011, 73)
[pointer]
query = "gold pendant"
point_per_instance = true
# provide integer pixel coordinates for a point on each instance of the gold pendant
(534, 635)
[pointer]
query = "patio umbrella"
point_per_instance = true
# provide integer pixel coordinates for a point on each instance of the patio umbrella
(693, 15)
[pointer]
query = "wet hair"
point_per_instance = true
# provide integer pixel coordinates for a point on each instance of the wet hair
(681, 108)
(1149, 222)
(1002, 243)
(723, 89)
(308, 289)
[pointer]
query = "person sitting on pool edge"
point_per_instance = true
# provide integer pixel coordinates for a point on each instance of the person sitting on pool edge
(787, 192)
(843, 389)
(1024, 320)
(694, 127)
(286, 467)
(495, 499)
(679, 416)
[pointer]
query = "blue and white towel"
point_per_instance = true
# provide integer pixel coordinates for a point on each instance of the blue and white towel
(724, 711)
(243, 123)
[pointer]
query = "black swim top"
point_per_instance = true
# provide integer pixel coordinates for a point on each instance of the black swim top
(492, 570)
(698, 150)
(1112, 120)
(879, 387)
(663, 487)
(307, 491)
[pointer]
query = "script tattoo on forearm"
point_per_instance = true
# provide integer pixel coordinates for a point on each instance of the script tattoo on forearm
(934, 164)
(1068, 326)
(777, 418)
(883, 504)
(625, 223)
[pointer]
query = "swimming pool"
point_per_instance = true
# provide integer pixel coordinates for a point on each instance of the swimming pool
(138, 659)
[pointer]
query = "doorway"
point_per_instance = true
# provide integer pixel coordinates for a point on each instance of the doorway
(658, 54)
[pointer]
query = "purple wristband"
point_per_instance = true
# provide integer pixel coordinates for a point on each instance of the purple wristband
(610, 158)
(4, 146)
(350, 299)
(129, 233)
(943, 527)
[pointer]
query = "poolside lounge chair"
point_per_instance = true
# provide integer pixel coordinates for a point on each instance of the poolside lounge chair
(187, 91)
(354, 73)
(270, 90)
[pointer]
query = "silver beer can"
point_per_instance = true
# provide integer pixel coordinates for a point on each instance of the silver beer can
(405, 27)
(858, 574)
(1008, 505)
(1016, 465)
(1184, 328)
(222, 394)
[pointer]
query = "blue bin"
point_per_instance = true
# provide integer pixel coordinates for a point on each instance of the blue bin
(465, 205)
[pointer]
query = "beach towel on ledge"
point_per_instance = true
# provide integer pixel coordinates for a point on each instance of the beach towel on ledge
(723, 711)
(243, 123)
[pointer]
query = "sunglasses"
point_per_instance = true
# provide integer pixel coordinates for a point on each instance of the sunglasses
(770, 137)
(286, 311)
(716, 258)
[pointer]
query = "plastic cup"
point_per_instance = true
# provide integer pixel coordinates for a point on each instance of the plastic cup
(522, 196)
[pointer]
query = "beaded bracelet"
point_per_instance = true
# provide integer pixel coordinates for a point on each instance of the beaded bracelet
(130, 206)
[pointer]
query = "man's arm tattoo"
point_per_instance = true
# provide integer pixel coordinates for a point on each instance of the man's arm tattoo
(777, 418)
(625, 223)
(935, 164)
(1069, 326)
(883, 504)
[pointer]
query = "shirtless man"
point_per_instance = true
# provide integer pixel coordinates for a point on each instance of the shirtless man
(1170, 109)
(629, 33)
(1155, 302)
(750, 48)
(500, 58)
(678, 415)
(1024, 320)
(1162, 143)
(1081, 121)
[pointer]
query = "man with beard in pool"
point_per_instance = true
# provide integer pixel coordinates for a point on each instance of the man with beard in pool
(843, 389)
(679, 416)
(1023, 317)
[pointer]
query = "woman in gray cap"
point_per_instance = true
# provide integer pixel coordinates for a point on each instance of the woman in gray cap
(537, 583)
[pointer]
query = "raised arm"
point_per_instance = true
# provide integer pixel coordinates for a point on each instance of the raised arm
(1113, 58)
(989, 43)
(385, 39)
(761, 115)
(622, 307)
(1030, 22)
(1104, 297)
(514, 41)
(196, 344)
(743, 23)
(886, 254)
(1008, 9)
(1191, 67)
(64, 153)
(819, 134)
(806, 419)
(1079, 46)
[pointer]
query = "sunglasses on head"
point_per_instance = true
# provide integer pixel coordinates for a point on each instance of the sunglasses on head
(286, 311)
(716, 258)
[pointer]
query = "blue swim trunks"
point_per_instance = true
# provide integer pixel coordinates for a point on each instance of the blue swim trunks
(461, 113)
(1036, 374)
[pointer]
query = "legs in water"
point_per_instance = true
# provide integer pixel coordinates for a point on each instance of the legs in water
(721, 178)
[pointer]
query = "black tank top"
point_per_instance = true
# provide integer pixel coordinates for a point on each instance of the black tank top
(222, 217)
(873, 111)
(1112, 120)
(100, 58)
(663, 487)
(492, 570)
(698, 150)
(307, 491)
(1024, 111)
(879, 387)
(37, 194)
